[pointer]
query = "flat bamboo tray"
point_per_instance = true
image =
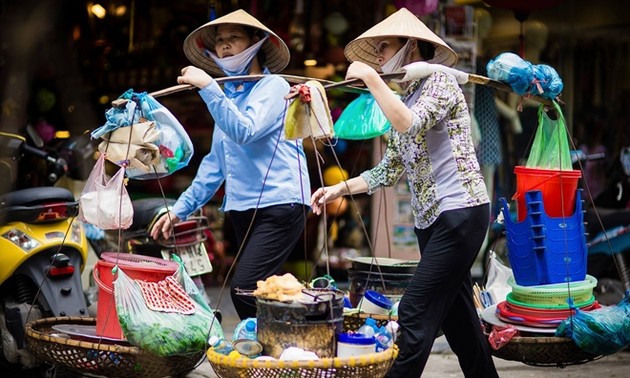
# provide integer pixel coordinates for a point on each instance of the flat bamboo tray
(104, 359)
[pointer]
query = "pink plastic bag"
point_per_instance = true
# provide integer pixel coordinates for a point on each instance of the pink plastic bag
(104, 202)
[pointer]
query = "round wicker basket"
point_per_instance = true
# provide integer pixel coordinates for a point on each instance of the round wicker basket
(544, 351)
(109, 360)
(371, 365)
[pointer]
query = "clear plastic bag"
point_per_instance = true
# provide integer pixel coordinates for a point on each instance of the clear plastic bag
(169, 141)
(104, 202)
(602, 331)
(361, 119)
(177, 328)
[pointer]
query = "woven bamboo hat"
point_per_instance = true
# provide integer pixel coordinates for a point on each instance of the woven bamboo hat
(277, 54)
(404, 24)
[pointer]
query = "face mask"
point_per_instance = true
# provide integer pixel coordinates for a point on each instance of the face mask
(240, 63)
(396, 61)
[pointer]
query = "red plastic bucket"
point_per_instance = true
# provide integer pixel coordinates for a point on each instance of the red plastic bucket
(557, 187)
(137, 267)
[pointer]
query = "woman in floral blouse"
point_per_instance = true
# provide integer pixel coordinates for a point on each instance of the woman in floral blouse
(430, 141)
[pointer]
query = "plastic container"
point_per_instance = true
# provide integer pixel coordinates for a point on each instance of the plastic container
(375, 303)
(248, 348)
(137, 267)
(220, 346)
(558, 190)
(384, 339)
(246, 330)
(355, 344)
(545, 250)
(369, 328)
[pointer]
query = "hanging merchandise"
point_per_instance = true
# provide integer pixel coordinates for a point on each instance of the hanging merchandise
(602, 331)
(104, 202)
(361, 119)
(524, 77)
(550, 149)
(308, 114)
(145, 136)
(166, 317)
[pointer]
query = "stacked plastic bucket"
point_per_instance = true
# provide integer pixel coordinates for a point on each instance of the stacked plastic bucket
(546, 248)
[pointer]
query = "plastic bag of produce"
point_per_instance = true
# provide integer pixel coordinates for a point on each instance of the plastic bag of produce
(165, 318)
(602, 331)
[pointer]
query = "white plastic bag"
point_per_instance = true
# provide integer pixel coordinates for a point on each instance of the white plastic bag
(105, 202)
(497, 285)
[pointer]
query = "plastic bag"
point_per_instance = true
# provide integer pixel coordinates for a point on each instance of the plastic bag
(174, 147)
(135, 144)
(513, 70)
(497, 284)
(308, 114)
(104, 202)
(361, 119)
(550, 149)
(182, 325)
(603, 331)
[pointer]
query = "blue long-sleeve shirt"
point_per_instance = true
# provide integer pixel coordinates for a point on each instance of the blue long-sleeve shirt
(248, 151)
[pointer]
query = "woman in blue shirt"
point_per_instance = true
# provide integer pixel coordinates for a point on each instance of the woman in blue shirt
(266, 180)
(430, 141)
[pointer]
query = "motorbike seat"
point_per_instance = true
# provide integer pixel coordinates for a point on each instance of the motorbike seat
(20, 205)
(146, 211)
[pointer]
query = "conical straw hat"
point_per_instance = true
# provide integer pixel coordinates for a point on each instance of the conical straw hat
(404, 24)
(277, 54)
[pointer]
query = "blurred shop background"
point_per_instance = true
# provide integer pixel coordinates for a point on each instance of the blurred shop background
(62, 62)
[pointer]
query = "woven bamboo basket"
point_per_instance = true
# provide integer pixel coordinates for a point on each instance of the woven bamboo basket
(544, 351)
(373, 365)
(109, 360)
(354, 321)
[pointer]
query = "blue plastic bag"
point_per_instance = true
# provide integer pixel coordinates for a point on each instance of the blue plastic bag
(361, 119)
(602, 331)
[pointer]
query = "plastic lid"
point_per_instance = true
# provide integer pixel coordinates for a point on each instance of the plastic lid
(214, 340)
(248, 347)
(378, 299)
(356, 338)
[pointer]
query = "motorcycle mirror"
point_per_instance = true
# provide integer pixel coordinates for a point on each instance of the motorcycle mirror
(34, 136)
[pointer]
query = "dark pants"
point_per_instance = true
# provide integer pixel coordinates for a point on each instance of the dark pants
(272, 237)
(440, 297)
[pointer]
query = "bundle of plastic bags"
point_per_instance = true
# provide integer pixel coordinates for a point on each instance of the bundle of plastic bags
(145, 137)
(602, 331)
(524, 77)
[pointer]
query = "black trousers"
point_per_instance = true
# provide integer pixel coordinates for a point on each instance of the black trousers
(439, 296)
(273, 235)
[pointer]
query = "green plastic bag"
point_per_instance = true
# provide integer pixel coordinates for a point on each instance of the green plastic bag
(550, 149)
(361, 119)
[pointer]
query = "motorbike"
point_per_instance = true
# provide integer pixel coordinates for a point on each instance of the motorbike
(44, 248)
(607, 225)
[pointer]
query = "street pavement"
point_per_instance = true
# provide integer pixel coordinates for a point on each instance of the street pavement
(443, 363)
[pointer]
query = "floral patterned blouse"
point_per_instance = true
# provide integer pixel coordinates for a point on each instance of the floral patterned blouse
(436, 152)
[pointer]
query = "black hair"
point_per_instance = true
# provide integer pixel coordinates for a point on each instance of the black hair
(426, 49)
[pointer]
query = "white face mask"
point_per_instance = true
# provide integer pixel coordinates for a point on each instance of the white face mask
(240, 63)
(396, 62)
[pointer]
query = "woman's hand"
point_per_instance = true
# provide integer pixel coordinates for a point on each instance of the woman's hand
(360, 70)
(194, 76)
(323, 196)
(164, 225)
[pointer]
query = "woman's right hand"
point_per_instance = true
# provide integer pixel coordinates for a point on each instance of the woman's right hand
(164, 225)
(194, 76)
